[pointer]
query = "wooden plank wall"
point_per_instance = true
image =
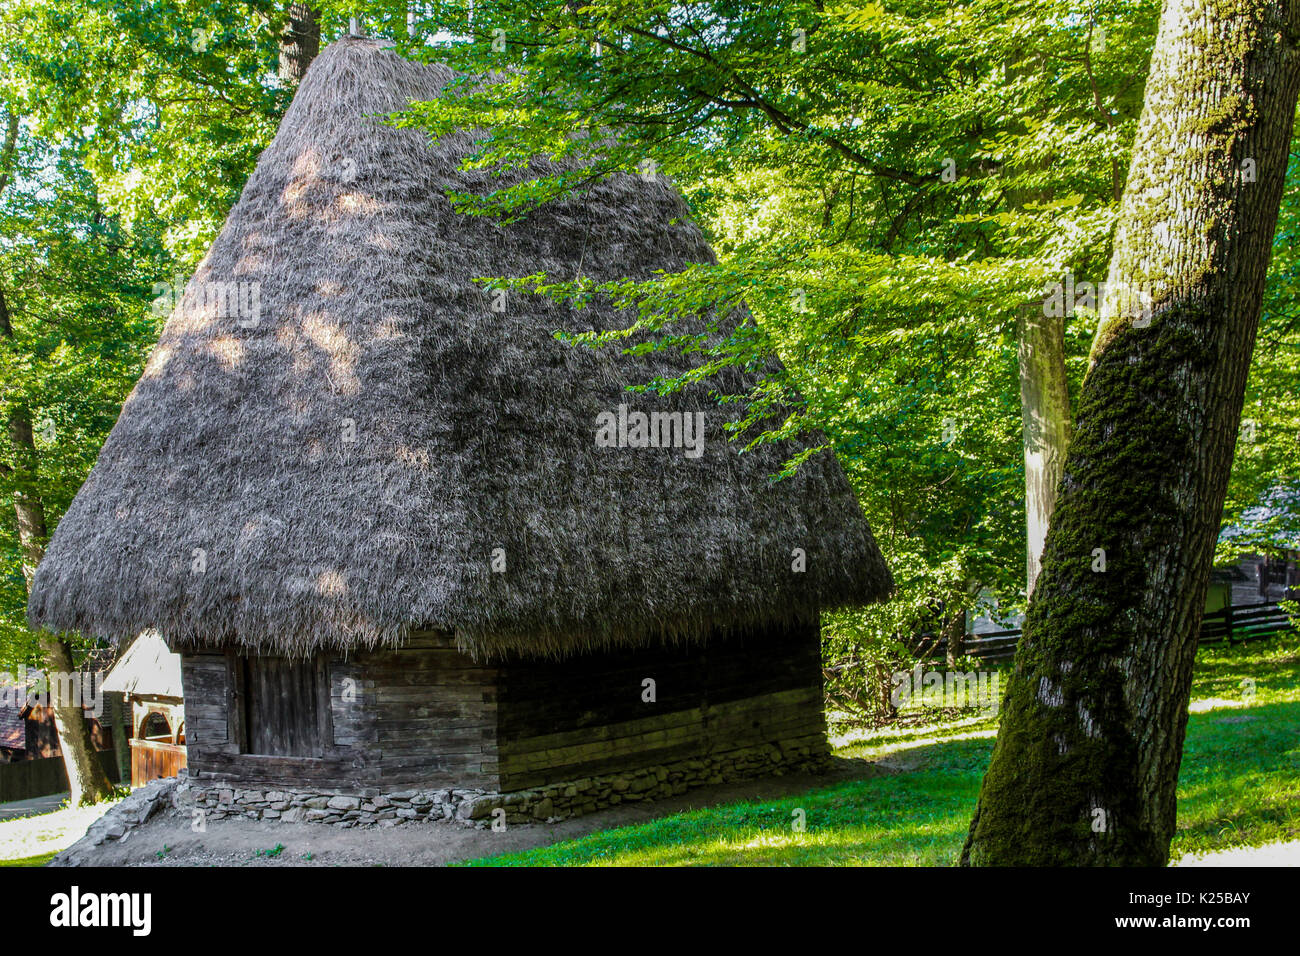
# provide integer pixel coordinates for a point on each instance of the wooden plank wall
(25, 779)
(422, 715)
(151, 760)
(281, 706)
(579, 717)
(428, 716)
(435, 713)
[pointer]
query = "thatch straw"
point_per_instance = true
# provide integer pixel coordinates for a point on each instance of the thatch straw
(227, 506)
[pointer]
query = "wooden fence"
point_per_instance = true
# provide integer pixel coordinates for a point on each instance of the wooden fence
(25, 779)
(1247, 622)
(151, 759)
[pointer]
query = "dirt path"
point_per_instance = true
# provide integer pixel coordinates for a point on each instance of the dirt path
(1271, 854)
(17, 809)
(167, 840)
(28, 836)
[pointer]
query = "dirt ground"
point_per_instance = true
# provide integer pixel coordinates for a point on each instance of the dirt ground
(167, 840)
(1271, 854)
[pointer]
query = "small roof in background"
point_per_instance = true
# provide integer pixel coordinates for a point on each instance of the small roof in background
(13, 729)
(148, 668)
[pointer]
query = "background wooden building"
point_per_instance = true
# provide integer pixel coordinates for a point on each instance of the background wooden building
(31, 760)
(27, 730)
(148, 675)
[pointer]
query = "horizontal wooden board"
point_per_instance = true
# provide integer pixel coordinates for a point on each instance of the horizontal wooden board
(585, 716)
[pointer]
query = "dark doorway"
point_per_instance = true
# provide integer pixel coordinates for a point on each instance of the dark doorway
(281, 699)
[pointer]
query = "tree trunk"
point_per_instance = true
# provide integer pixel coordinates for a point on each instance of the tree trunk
(954, 629)
(86, 778)
(118, 713)
(1085, 768)
(87, 781)
(299, 42)
(1045, 424)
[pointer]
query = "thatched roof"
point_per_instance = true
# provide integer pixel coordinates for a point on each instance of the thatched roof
(147, 669)
(229, 505)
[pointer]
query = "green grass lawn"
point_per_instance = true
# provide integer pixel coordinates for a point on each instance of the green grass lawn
(1239, 786)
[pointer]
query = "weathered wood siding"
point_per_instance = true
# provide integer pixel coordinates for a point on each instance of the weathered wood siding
(423, 714)
(428, 716)
(435, 715)
(584, 716)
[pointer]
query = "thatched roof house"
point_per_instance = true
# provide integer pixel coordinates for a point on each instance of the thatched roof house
(340, 454)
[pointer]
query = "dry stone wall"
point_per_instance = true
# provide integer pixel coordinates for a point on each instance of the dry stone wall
(478, 807)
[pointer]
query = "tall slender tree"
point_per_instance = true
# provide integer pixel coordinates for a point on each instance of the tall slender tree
(96, 102)
(1086, 763)
(1045, 422)
(87, 781)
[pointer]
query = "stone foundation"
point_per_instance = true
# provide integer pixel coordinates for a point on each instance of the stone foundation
(477, 807)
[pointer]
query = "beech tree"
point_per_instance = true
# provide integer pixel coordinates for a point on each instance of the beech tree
(1086, 762)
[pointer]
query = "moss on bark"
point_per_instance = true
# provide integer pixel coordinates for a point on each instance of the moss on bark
(1086, 763)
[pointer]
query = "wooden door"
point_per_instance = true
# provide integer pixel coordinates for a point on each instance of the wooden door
(281, 699)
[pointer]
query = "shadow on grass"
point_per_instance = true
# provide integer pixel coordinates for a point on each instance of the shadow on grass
(917, 818)
(1240, 779)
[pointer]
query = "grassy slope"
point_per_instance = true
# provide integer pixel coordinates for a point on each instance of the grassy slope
(1239, 786)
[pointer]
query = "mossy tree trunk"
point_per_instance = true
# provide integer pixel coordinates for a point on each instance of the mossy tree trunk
(87, 781)
(1086, 763)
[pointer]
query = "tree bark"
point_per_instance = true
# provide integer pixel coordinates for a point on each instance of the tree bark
(1045, 424)
(87, 781)
(1085, 767)
(86, 778)
(117, 711)
(954, 629)
(299, 42)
